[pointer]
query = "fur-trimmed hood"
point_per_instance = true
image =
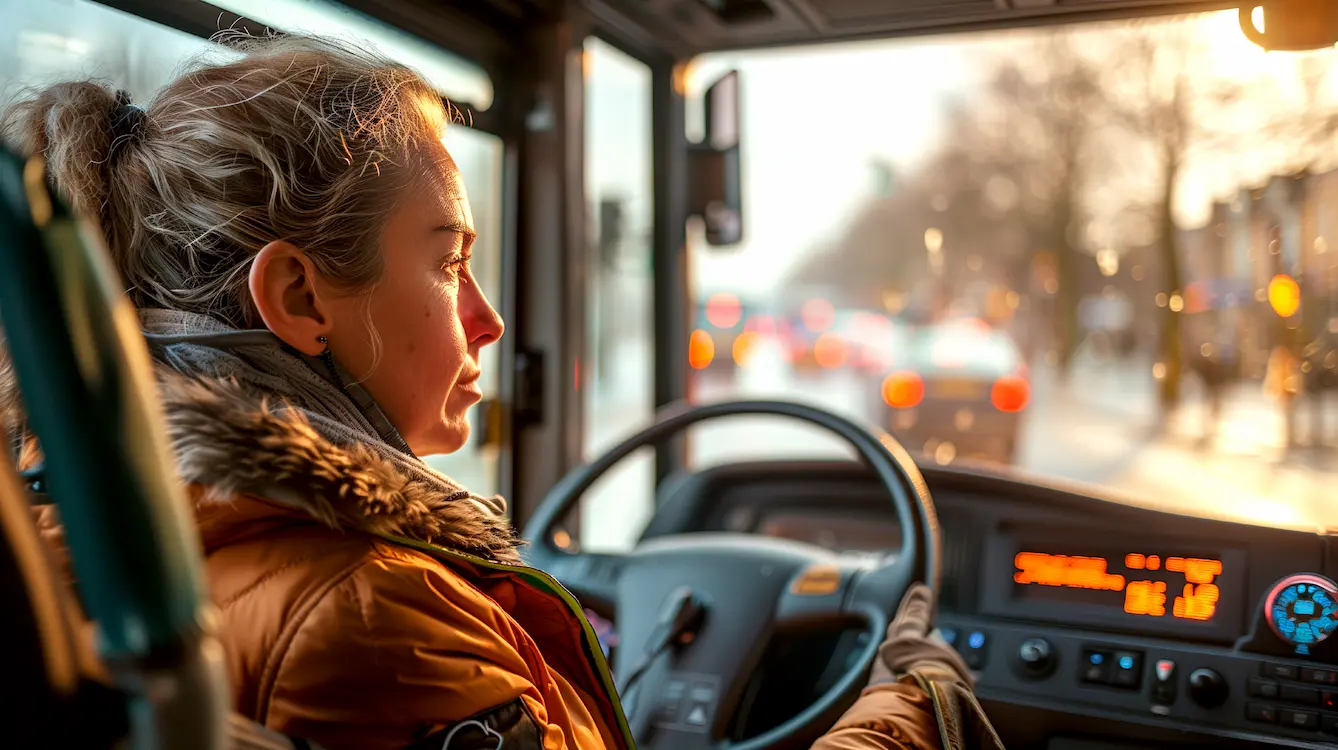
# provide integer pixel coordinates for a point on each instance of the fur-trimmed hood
(231, 445)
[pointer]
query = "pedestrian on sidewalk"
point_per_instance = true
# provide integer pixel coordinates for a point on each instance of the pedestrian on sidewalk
(1282, 381)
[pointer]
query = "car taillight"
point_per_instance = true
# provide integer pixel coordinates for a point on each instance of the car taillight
(904, 389)
(1010, 393)
(701, 349)
(745, 345)
(829, 351)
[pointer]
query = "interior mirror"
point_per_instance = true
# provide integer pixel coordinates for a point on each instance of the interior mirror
(1291, 25)
(715, 179)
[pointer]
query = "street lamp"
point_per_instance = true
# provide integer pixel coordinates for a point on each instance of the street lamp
(1108, 261)
(934, 246)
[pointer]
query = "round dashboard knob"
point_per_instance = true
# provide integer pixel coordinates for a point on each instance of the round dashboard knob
(1036, 657)
(1207, 688)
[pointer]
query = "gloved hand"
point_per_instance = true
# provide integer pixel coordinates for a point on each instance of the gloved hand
(910, 646)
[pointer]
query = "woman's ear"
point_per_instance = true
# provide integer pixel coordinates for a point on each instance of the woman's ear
(283, 288)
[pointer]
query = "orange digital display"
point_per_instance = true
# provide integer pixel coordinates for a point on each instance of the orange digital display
(1147, 581)
(1062, 570)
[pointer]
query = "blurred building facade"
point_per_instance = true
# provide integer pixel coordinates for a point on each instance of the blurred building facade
(1281, 228)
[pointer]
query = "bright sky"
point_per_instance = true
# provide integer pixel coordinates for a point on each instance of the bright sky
(813, 122)
(815, 118)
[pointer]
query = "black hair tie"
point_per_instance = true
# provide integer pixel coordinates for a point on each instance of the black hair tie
(127, 121)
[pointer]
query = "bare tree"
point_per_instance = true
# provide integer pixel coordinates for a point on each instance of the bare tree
(1008, 181)
(1076, 127)
(1053, 109)
(959, 194)
(1309, 129)
(1161, 96)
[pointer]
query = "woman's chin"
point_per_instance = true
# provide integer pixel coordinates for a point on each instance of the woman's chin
(448, 438)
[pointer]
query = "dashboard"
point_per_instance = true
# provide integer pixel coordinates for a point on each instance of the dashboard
(1086, 619)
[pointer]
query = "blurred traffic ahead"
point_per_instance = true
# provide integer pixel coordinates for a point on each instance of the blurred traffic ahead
(958, 390)
(952, 387)
(954, 381)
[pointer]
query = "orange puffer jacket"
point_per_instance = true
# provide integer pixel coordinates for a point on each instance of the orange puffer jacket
(359, 610)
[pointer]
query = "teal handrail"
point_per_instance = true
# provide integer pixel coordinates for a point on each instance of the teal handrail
(89, 394)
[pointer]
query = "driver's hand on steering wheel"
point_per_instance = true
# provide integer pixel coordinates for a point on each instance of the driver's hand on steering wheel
(910, 646)
(920, 693)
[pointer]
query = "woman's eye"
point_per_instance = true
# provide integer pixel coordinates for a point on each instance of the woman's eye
(457, 266)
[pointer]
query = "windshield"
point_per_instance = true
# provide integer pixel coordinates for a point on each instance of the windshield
(1097, 253)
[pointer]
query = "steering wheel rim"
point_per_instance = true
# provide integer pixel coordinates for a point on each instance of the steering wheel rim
(873, 594)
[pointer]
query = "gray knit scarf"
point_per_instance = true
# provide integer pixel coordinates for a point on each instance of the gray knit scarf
(202, 347)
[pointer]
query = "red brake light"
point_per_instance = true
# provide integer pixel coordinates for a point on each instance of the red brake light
(818, 315)
(829, 351)
(701, 349)
(1010, 393)
(724, 310)
(903, 389)
(745, 345)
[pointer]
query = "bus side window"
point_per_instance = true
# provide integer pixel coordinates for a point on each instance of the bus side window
(41, 43)
(618, 377)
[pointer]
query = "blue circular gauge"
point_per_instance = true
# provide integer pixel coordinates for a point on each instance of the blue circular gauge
(1303, 610)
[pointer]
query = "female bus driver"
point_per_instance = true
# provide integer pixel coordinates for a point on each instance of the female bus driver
(297, 241)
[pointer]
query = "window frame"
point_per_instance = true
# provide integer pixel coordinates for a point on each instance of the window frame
(671, 302)
(474, 42)
(542, 454)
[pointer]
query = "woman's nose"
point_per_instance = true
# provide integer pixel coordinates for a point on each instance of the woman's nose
(483, 324)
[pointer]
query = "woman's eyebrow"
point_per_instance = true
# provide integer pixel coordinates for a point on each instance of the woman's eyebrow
(458, 227)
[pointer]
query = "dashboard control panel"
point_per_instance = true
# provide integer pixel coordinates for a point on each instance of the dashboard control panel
(1198, 625)
(972, 644)
(1298, 697)
(1200, 688)
(1164, 632)
(1121, 668)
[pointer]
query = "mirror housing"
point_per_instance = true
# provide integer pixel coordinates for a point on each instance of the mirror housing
(1292, 25)
(715, 176)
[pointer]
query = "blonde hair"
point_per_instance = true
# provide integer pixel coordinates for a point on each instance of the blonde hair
(302, 139)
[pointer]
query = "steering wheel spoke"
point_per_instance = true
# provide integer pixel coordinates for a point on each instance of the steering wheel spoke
(821, 594)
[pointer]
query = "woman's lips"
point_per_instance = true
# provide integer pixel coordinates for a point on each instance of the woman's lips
(469, 382)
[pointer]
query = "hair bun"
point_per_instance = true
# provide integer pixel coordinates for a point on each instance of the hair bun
(68, 124)
(127, 122)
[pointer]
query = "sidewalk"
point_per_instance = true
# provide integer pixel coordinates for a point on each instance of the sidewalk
(1091, 425)
(1125, 391)
(1252, 422)
(1244, 472)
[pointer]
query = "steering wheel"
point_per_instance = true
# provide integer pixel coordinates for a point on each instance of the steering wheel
(750, 586)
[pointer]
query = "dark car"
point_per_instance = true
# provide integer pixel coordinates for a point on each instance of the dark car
(958, 390)
(859, 340)
(725, 331)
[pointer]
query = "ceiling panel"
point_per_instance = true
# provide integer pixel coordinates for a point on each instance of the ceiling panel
(857, 12)
(693, 26)
(683, 28)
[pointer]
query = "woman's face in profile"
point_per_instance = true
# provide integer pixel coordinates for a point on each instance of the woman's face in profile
(430, 315)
